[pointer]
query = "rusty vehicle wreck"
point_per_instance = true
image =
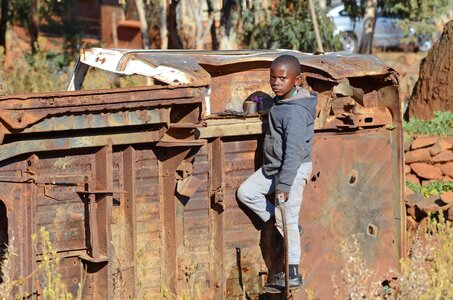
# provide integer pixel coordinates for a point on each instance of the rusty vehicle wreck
(137, 186)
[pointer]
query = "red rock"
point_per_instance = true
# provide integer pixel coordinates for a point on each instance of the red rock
(447, 207)
(444, 156)
(410, 211)
(426, 171)
(408, 192)
(447, 168)
(422, 224)
(407, 169)
(411, 223)
(439, 147)
(424, 141)
(412, 179)
(407, 146)
(417, 156)
(447, 197)
(447, 179)
(428, 182)
(429, 204)
(448, 139)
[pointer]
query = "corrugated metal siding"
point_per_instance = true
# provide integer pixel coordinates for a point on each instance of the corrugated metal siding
(195, 259)
(149, 242)
(241, 237)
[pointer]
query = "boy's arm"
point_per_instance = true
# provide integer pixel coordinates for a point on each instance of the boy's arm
(294, 145)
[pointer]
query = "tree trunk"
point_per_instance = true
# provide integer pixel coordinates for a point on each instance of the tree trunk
(163, 24)
(369, 22)
(3, 21)
(143, 23)
(33, 27)
(227, 40)
(433, 91)
(214, 40)
(315, 26)
(174, 41)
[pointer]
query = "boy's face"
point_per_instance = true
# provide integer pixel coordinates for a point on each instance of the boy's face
(283, 80)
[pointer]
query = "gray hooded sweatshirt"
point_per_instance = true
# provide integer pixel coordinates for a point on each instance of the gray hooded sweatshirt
(289, 137)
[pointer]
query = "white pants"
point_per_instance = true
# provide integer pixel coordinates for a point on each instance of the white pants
(253, 191)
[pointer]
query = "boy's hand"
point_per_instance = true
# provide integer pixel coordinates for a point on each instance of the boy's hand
(279, 194)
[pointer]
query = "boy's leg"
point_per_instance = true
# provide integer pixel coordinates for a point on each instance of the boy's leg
(292, 213)
(253, 191)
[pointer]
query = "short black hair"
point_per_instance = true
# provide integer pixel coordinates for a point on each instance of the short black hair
(291, 61)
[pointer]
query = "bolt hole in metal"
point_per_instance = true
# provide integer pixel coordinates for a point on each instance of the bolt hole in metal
(354, 175)
(372, 230)
(367, 120)
(316, 176)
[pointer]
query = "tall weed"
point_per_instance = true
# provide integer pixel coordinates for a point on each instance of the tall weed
(426, 273)
(52, 286)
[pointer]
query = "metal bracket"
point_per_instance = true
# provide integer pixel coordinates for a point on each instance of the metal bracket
(218, 195)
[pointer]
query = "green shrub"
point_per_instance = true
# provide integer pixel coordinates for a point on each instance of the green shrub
(290, 27)
(441, 124)
(45, 72)
(434, 188)
(33, 74)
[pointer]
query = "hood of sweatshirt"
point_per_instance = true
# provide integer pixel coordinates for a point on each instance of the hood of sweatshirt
(302, 98)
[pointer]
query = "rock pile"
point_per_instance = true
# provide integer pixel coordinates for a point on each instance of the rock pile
(428, 159)
(418, 207)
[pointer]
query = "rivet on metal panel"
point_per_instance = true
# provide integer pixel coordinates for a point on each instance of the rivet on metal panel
(372, 230)
(30, 167)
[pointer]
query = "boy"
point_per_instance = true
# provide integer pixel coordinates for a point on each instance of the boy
(287, 159)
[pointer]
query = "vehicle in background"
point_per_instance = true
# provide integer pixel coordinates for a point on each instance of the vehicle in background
(387, 33)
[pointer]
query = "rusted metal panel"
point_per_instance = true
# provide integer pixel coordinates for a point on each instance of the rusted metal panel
(244, 265)
(216, 154)
(137, 187)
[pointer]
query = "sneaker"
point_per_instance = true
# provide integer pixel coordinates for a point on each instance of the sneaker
(278, 283)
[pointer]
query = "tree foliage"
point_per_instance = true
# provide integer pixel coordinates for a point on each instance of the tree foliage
(289, 26)
(53, 16)
(415, 15)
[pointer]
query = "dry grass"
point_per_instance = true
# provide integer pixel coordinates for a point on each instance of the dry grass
(40, 73)
(51, 285)
(427, 273)
(355, 275)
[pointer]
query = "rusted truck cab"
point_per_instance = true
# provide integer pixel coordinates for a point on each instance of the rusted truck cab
(137, 186)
